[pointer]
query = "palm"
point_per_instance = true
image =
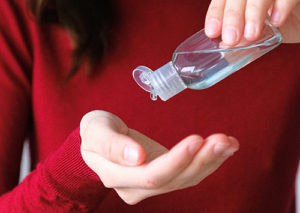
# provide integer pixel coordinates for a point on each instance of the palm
(152, 148)
(290, 30)
(104, 137)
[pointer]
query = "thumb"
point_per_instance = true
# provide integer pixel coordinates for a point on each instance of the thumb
(123, 150)
(105, 134)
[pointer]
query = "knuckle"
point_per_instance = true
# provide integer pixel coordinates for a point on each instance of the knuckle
(128, 198)
(87, 121)
(254, 12)
(130, 201)
(214, 9)
(252, 6)
(91, 116)
(233, 13)
(107, 183)
(217, 4)
(151, 183)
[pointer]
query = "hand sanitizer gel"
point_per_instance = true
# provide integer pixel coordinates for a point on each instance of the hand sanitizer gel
(200, 62)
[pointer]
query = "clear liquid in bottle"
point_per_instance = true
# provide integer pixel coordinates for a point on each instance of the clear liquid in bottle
(200, 62)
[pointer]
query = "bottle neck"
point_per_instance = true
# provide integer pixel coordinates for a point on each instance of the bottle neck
(166, 82)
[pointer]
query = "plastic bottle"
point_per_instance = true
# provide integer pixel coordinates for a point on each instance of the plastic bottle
(200, 62)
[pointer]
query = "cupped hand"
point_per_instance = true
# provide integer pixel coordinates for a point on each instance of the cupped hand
(137, 167)
(235, 19)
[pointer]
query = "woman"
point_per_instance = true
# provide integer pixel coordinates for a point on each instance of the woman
(46, 92)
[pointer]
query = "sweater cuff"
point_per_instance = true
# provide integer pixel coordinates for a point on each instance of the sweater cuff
(69, 176)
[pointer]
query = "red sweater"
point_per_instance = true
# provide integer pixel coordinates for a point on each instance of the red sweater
(259, 105)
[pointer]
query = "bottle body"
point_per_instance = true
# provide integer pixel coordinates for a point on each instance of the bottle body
(201, 70)
(200, 62)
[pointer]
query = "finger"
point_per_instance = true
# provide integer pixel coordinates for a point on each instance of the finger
(256, 13)
(233, 21)
(152, 148)
(103, 133)
(214, 16)
(220, 153)
(167, 166)
(215, 151)
(132, 196)
(150, 175)
(281, 10)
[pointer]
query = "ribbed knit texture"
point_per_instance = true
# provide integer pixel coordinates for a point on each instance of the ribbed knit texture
(72, 176)
(259, 105)
(63, 183)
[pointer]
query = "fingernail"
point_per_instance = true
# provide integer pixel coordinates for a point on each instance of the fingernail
(229, 35)
(212, 27)
(275, 19)
(229, 152)
(250, 30)
(232, 138)
(194, 147)
(130, 155)
(220, 148)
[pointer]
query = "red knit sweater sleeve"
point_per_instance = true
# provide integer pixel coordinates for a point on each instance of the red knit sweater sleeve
(63, 182)
(15, 61)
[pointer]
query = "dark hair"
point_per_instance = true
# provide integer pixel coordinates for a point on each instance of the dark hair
(88, 23)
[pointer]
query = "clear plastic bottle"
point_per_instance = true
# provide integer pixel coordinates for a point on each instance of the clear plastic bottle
(200, 62)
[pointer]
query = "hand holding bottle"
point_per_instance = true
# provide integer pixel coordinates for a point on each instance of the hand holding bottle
(137, 167)
(235, 19)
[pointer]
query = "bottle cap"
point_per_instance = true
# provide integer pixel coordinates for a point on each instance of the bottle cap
(164, 82)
